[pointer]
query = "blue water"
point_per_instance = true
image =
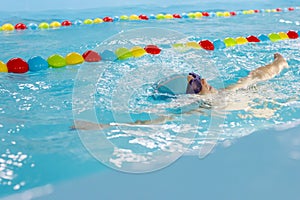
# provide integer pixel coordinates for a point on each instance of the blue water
(38, 147)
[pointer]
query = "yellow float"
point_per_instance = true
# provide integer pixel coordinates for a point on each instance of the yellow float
(198, 15)
(98, 21)
(283, 35)
(193, 45)
(134, 17)
(3, 67)
(169, 16)
(8, 27)
(226, 14)
(241, 40)
(74, 58)
(137, 51)
(55, 24)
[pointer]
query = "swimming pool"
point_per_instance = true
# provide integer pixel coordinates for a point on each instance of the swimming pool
(38, 149)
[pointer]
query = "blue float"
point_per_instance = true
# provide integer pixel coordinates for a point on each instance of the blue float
(152, 16)
(184, 15)
(77, 22)
(263, 37)
(219, 44)
(37, 63)
(116, 18)
(212, 14)
(285, 10)
(32, 26)
(108, 55)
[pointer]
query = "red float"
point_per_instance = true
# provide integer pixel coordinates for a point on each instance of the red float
(291, 8)
(292, 34)
(91, 56)
(152, 49)
(17, 65)
(143, 17)
(233, 13)
(205, 14)
(176, 16)
(207, 45)
(278, 9)
(108, 19)
(252, 38)
(20, 26)
(256, 11)
(66, 23)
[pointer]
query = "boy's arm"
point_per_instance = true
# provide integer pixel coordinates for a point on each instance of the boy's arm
(261, 74)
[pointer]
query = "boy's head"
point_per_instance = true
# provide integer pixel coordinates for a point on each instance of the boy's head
(198, 85)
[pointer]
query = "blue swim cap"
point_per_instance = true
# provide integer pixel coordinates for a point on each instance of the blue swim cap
(194, 86)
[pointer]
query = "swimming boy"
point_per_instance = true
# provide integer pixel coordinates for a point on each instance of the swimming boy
(199, 86)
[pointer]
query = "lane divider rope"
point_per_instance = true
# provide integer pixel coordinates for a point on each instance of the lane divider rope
(37, 63)
(9, 27)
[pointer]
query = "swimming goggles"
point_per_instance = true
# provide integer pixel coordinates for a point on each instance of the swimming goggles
(194, 86)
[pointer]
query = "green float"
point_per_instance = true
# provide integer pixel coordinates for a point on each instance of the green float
(56, 61)
(274, 37)
(230, 42)
(123, 53)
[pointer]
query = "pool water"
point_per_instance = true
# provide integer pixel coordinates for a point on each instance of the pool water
(37, 146)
